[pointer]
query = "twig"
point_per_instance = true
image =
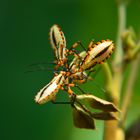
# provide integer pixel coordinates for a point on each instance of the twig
(129, 90)
(111, 130)
(121, 28)
(108, 79)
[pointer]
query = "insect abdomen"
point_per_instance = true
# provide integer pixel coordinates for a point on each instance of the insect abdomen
(97, 54)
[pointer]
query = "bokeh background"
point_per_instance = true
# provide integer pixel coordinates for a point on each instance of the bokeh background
(24, 28)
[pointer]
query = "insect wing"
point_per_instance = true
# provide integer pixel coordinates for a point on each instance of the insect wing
(58, 42)
(48, 92)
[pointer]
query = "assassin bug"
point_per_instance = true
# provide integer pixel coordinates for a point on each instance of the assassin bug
(48, 92)
(78, 76)
(74, 72)
(58, 43)
(86, 60)
(95, 54)
(59, 82)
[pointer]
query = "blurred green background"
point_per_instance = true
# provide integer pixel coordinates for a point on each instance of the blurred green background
(24, 29)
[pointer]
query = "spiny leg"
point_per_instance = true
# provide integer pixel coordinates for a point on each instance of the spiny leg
(56, 102)
(76, 44)
(82, 91)
(73, 99)
(75, 85)
(73, 52)
(72, 96)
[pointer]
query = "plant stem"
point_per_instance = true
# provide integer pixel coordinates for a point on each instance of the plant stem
(121, 28)
(111, 130)
(108, 79)
(129, 90)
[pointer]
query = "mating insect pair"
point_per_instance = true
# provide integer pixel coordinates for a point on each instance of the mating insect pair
(76, 71)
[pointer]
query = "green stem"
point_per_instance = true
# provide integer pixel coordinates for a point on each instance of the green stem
(129, 91)
(136, 50)
(121, 28)
(108, 79)
(111, 130)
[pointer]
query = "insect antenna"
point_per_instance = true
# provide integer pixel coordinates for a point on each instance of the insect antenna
(40, 66)
(39, 69)
(41, 63)
(76, 44)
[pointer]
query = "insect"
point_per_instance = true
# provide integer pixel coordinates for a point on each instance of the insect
(71, 73)
(76, 75)
(49, 91)
(58, 43)
(97, 53)
(75, 72)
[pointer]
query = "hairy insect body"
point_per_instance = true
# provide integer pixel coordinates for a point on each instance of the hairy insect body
(97, 53)
(58, 43)
(48, 92)
(75, 71)
(76, 75)
(76, 61)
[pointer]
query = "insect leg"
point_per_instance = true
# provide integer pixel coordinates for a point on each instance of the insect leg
(72, 101)
(76, 44)
(75, 85)
(54, 102)
(82, 91)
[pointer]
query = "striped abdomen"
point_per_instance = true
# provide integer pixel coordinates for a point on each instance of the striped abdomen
(58, 42)
(48, 92)
(97, 53)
